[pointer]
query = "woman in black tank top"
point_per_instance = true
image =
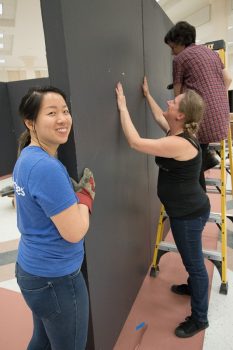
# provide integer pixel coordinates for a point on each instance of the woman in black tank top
(178, 156)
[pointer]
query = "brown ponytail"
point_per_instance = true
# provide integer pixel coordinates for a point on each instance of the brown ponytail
(24, 141)
(191, 128)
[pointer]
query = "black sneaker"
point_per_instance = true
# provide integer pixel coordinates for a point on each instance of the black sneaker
(190, 327)
(182, 289)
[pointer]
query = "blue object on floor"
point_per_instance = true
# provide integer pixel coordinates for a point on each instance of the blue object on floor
(141, 325)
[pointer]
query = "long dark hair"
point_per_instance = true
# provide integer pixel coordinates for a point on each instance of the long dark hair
(29, 108)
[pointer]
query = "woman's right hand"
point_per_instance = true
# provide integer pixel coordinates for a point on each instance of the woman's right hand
(145, 87)
(85, 189)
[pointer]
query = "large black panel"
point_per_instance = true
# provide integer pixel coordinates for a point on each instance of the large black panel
(158, 69)
(12, 126)
(7, 134)
(101, 43)
(104, 50)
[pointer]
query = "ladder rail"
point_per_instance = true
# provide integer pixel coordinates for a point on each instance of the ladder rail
(223, 213)
(159, 236)
(230, 156)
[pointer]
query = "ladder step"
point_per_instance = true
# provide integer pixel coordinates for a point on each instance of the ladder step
(7, 191)
(212, 255)
(212, 182)
(209, 254)
(218, 166)
(215, 217)
(217, 146)
(214, 190)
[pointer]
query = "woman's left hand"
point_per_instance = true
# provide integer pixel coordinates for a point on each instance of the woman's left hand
(121, 100)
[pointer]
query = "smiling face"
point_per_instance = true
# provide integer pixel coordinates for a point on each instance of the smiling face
(52, 125)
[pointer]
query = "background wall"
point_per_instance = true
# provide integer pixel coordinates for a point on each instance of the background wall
(11, 124)
(22, 57)
(101, 43)
(16, 90)
(7, 136)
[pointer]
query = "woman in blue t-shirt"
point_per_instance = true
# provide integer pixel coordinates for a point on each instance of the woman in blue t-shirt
(178, 156)
(53, 218)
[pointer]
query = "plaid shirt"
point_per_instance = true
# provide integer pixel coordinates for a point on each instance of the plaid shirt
(200, 69)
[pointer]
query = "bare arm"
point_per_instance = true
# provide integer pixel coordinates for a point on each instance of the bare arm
(155, 109)
(130, 131)
(169, 147)
(227, 78)
(73, 222)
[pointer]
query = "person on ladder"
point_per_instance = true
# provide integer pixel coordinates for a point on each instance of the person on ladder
(201, 69)
(179, 158)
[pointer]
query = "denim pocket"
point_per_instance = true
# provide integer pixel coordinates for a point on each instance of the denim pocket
(42, 301)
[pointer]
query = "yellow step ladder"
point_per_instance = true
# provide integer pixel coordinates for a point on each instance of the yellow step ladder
(219, 259)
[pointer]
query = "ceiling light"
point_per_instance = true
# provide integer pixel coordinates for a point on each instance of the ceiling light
(1, 45)
(0, 8)
(2, 60)
(230, 27)
(1, 35)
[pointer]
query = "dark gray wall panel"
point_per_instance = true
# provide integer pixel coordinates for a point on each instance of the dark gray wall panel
(102, 43)
(104, 50)
(7, 134)
(158, 69)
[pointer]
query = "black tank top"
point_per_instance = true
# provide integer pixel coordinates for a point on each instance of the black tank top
(178, 184)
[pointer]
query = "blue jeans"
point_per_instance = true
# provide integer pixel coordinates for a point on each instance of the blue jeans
(60, 309)
(187, 235)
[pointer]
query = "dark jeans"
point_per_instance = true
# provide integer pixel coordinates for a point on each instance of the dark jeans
(187, 235)
(60, 310)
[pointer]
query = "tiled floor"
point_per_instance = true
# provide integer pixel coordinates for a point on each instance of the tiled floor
(155, 304)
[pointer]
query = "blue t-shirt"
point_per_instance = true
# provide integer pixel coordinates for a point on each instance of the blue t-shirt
(43, 189)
